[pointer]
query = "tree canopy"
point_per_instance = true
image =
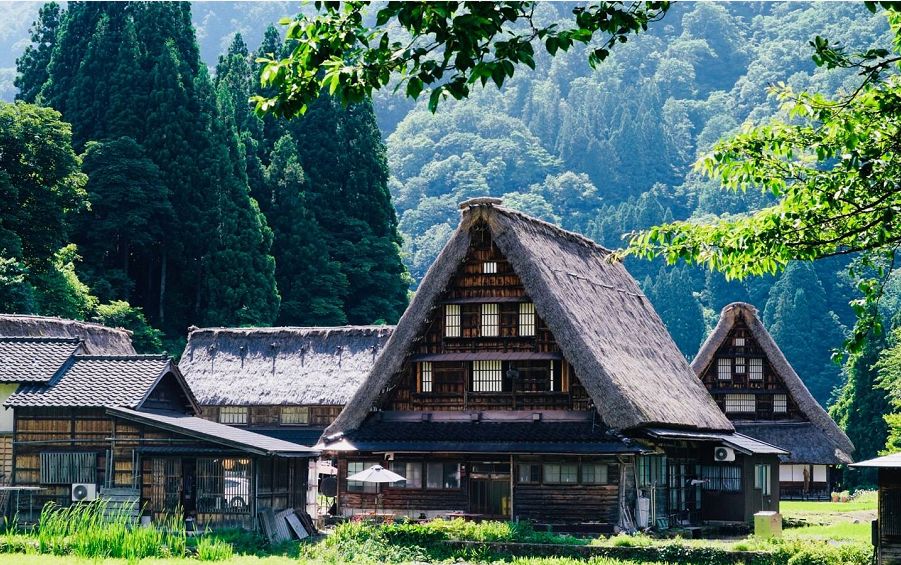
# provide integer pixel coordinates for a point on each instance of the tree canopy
(446, 46)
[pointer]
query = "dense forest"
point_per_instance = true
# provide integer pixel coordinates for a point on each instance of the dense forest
(229, 219)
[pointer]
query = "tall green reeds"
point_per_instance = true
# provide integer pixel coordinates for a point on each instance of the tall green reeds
(95, 530)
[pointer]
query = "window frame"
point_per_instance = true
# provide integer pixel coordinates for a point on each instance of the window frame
(489, 267)
(491, 372)
(741, 365)
(297, 410)
(755, 368)
(742, 400)
(781, 400)
(547, 474)
(426, 376)
(763, 478)
(233, 411)
(595, 465)
(407, 466)
(453, 320)
(724, 369)
(490, 319)
(445, 466)
(534, 472)
(527, 322)
(361, 487)
(722, 478)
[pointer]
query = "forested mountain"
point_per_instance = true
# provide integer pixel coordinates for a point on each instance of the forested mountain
(609, 151)
(269, 221)
(197, 211)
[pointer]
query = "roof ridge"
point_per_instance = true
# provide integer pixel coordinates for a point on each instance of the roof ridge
(571, 235)
(263, 329)
(41, 339)
(133, 357)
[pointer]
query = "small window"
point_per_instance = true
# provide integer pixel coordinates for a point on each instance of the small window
(740, 404)
(756, 368)
(780, 403)
(452, 320)
(594, 474)
(295, 415)
(67, 468)
(529, 473)
(489, 267)
(487, 376)
(234, 415)
(561, 473)
(762, 478)
(526, 319)
(442, 475)
(738, 342)
(354, 467)
(425, 376)
(721, 478)
(490, 320)
(411, 471)
(739, 365)
(724, 368)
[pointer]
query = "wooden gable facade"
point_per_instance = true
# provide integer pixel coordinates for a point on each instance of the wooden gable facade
(485, 346)
(757, 389)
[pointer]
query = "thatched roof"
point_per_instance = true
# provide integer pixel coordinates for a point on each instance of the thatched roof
(313, 366)
(834, 444)
(98, 340)
(805, 441)
(607, 329)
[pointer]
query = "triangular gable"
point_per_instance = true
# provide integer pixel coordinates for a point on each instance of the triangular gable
(169, 388)
(740, 311)
(607, 329)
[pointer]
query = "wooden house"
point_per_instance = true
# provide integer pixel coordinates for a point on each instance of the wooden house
(125, 428)
(887, 529)
(757, 389)
(530, 378)
(288, 383)
(30, 350)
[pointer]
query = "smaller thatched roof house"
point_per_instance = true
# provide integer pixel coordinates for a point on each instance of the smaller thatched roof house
(280, 366)
(97, 339)
(811, 436)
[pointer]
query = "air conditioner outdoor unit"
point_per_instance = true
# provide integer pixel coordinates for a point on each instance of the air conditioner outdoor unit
(723, 454)
(82, 492)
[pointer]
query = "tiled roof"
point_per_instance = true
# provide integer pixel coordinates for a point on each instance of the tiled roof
(739, 442)
(96, 381)
(215, 432)
(34, 359)
(473, 437)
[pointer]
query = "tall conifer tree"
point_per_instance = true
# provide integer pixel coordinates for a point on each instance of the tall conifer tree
(32, 65)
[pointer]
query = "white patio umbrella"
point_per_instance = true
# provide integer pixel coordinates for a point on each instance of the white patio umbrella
(376, 474)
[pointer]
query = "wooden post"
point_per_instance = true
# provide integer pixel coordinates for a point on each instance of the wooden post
(512, 484)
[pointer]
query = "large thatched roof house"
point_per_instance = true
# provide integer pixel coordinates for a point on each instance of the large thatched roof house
(288, 382)
(124, 427)
(756, 387)
(531, 378)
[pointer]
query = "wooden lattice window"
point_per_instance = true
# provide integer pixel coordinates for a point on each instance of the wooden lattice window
(166, 486)
(68, 468)
(487, 376)
(738, 341)
(755, 365)
(491, 319)
(489, 267)
(780, 403)
(890, 512)
(425, 376)
(526, 319)
(452, 320)
(295, 415)
(740, 403)
(223, 485)
(234, 415)
(739, 365)
(724, 369)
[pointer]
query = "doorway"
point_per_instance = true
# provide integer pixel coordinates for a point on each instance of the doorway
(489, 489)
(189, 493)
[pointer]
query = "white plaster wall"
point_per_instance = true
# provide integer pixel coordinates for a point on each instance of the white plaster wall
(6, 414)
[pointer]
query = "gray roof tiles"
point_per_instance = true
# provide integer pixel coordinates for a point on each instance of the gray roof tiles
(96, 381)
(34, 359)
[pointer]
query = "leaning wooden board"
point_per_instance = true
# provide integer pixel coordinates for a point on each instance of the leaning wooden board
(297, 526)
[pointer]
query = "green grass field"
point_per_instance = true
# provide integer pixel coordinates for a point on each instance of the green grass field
(836, 521)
